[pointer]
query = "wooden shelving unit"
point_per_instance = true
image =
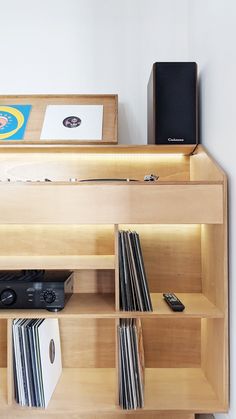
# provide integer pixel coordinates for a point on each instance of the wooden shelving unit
(182, 222)
(102, 305)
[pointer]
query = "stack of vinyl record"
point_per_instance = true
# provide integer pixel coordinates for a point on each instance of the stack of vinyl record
(134, 292)
(131, 364)
(36, 360)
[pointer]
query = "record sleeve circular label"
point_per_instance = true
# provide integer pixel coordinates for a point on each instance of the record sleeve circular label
(52, 351)
(72, 122)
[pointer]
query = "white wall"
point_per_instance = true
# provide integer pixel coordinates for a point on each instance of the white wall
(212, 36)
(91, 46)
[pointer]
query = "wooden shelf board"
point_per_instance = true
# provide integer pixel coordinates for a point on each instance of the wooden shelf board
(137, 182)
(196, 306)
(90, 390)
(115, 204)
(103, 306)
(58, 262)
(104, 148)
(3, 388)
(179, 389)
(80, 390)
(79, 306)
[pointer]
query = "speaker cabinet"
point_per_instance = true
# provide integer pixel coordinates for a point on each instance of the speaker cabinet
(172, 103)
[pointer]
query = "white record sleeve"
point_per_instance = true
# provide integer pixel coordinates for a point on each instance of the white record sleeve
(73, 122)
(50, 354)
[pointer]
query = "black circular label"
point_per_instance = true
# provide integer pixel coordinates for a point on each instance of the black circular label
(72, 122)
(52, 351)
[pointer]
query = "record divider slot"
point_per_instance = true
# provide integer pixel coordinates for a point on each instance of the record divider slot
(117, 361)
(10, 384)
(117, 280)
(117, 308)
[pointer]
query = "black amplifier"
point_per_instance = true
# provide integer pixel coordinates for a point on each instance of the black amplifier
(37, 289)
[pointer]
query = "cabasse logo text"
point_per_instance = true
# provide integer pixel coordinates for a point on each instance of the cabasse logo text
(175, 139)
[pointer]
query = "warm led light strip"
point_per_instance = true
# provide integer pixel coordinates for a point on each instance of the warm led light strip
(107, 156)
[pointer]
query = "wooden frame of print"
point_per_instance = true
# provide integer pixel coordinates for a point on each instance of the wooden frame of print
(39, 104)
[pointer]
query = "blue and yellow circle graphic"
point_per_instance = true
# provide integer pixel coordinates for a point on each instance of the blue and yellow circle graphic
(11, 120)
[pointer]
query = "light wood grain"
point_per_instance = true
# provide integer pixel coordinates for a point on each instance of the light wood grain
(40, 102)
(56, 240)
(83, 390)
(10, 385)
(203, 167)
(215, 286)
(86, 163)
(180, 389)
(3, 389)
(214, 264)
(172, 343)
(117, 351)
(117, 275)
(166, 389)
(51, 203)
(196, 305)
(215, 356)
(172, 256)
(33, 413)
(94, 281)
(102, 305)
(133, 149)
(88, 343)
(3, 343)
(186, 353)
(57, 262)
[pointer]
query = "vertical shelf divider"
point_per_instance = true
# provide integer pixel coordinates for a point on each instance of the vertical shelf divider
(117, 307)
(10, 384)
(117, 285)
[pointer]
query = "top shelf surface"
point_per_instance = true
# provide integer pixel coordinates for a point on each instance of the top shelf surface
(190, 189)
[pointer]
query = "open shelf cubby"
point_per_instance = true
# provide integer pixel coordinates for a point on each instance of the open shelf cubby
(182, 223)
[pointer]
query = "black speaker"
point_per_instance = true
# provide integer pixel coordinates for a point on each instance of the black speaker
(172, 103)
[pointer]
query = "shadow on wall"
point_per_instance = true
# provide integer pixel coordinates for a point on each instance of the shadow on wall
(204, 417)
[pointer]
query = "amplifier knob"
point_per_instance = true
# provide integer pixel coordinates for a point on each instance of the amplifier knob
(8, 297)
(49, 297)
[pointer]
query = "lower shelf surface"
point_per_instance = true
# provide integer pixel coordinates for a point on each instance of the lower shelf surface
(184, 389)
(93, 391)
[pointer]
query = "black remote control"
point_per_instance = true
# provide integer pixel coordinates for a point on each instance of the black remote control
(172, 301)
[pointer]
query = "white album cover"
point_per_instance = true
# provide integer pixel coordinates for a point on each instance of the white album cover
(73, 122)
(50, 354)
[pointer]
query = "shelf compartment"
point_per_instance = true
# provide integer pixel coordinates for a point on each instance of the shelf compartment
(80, 390)
(86, 305)
(72, 262)
(102, 305)
(86, 390)
(116, 203)
(196, 306)
(184, 389)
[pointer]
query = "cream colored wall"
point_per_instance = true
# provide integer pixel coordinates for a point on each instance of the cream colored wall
(91, 46)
